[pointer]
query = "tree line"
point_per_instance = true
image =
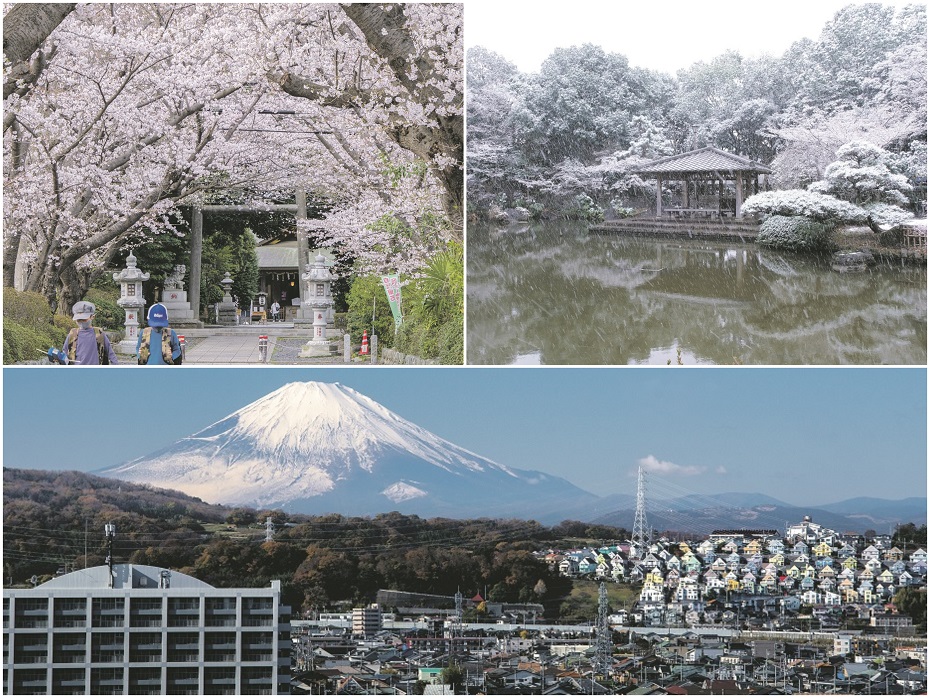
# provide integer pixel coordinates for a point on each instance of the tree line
(51, 518)
(581, 125)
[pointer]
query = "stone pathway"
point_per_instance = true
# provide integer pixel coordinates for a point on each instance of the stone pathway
(238, 349)
(242, 348)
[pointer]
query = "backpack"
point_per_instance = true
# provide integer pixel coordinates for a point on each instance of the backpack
(102, 353)
(145, 347)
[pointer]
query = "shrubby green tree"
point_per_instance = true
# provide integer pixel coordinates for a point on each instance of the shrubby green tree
(30, 327)
(454, 676)
(433, 307)
(913, 602)
(366, 298)
(794, 233)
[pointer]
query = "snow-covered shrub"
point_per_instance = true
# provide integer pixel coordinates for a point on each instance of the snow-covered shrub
(534, 207)
(585, 208)
(620, 210)
(794, 233)
(798, 202)
(886, 214)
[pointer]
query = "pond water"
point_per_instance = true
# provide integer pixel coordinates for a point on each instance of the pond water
(554, 294)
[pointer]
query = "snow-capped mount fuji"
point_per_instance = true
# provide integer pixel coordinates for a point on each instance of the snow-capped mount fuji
(322, 447)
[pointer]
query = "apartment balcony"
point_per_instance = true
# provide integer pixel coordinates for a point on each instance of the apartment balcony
(257, 656)
(219, 657)
(144, 658)
(106, 657)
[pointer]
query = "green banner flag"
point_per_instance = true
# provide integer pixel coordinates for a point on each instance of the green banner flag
(392, 288)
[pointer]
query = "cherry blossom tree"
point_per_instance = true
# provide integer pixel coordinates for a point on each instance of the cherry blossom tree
(144, 108)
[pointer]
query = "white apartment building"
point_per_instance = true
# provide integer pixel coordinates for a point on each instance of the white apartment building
(366, 621)
(145, 630)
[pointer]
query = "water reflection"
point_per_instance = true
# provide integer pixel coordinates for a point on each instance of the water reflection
(553, 294)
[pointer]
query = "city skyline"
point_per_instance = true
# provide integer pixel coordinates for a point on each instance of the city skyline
(806, 437)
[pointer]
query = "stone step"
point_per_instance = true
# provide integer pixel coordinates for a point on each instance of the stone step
(680, 228)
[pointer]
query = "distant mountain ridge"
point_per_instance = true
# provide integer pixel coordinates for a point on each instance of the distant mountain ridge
(709, 518)
(316, 448)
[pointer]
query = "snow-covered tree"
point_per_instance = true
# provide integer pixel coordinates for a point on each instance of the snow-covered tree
(810, 145)
(860, 175)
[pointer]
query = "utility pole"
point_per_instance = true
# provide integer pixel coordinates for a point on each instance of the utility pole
(269, 530)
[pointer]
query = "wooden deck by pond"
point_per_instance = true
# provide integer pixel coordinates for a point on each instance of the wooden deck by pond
(692, 227)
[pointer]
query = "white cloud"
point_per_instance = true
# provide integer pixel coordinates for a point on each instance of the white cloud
(720, 470)
(664, 467)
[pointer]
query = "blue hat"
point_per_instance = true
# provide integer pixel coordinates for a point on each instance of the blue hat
(158, 316)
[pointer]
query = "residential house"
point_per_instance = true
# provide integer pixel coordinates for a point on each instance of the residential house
(587, 566)
(846, 551)
(893, 554)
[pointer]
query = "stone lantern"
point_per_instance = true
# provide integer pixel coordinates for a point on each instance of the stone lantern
(131, 300)
(319, 299)
(226, 309)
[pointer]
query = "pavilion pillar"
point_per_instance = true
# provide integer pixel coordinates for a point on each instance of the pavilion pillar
(658, 196)
(687, 193)
(193, 286)
(739, 194)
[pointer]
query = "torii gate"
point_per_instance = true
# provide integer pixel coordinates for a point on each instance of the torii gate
(303, 249)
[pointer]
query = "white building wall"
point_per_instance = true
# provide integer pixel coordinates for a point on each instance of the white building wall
(76, 634)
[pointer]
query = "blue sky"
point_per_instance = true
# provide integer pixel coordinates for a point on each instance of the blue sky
(666, 36)
(806, 436)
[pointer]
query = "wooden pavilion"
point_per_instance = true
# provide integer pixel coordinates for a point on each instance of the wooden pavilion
(715, 182)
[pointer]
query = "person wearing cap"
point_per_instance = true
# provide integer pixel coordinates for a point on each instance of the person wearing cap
(158, 344)
(85, 344)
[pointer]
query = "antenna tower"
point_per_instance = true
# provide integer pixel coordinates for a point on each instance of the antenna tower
(603, 649)
(641, 531)
(109, 531)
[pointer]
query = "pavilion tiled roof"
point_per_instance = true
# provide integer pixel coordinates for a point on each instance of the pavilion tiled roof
(707, 159)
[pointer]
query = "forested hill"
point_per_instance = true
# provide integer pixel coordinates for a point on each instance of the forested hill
(69, 497)
(319, 559)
